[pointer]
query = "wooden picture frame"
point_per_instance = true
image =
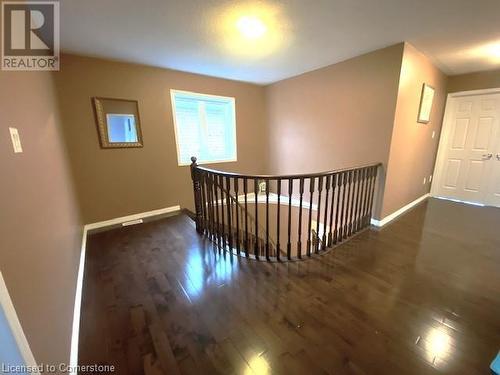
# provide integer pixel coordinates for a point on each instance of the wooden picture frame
(426, 101)
(106, 109)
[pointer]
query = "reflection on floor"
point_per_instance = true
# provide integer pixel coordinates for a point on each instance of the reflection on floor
(421, 296)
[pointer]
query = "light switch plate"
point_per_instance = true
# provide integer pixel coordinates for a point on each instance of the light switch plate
(430, 178)
(425, 180)
(433, 134)
(16, 140)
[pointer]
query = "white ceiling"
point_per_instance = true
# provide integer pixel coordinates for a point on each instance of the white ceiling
(189, 35)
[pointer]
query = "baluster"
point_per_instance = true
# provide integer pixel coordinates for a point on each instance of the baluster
(309, 230)
(370, 197)
(368, 186)
(207, 192)
(208, 203)
(356, 205)
(202, 198)
(318, 215)
(353, 204)
(207, 206)
(299, 241)
(267, 220)
(217, 217)
(334, 182)
(337, 208)
(229, 219)
(341, 228)
(245, 191)
(236, 189)
(221, 187)
(288, 243)
(372, 194)
(278, 182)
(212, 210)
(348, 204)
(360, 199)
(256, 191)
(325, 218)
(365, 197)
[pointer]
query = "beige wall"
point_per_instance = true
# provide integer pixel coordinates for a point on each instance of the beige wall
(117, 182)
(474, 81)
(413, 150)
(334, 117)
(40, 230)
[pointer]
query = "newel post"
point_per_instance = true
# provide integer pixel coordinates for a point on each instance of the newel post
(195, 176)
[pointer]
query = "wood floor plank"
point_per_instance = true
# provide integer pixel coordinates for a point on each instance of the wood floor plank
(163, 350)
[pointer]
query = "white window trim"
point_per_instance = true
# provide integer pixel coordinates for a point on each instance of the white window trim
(227, 98)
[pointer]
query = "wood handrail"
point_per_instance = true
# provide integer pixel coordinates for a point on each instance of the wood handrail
(285, 177)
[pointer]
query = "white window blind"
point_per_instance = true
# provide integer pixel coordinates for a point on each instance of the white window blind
(205, 127)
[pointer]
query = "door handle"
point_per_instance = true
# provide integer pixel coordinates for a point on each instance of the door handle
(489, 156)
(498, 156)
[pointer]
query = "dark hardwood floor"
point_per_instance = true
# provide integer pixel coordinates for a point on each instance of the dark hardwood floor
(421, 296)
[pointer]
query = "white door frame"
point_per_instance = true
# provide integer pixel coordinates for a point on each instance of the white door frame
(445, 134)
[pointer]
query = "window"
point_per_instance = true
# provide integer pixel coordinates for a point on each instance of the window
(205, 127)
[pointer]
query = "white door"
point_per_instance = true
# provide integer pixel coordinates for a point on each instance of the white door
(467, 167)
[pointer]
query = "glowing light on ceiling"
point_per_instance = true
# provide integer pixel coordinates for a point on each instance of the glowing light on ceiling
(489, 51)
(250, 29)
(494, 50)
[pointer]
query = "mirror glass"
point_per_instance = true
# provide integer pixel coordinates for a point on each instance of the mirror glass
(121, 128)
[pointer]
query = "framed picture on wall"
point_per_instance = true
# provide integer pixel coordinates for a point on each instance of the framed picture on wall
(118, 123)
(426, 99)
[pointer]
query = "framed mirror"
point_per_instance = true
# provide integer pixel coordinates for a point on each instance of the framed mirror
(426, 99)
(118, 122)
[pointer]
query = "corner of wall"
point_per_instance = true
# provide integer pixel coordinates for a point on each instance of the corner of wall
(412, 149)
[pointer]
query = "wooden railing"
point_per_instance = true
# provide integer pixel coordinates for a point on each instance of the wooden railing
(336, 205)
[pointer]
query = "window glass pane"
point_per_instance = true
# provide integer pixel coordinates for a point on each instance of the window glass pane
(188, 130)
(205, 127)
(216, 119)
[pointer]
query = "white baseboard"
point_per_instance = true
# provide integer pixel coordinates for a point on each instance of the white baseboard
(124, 219)
(75, 335)
(15, 327)
(402, 210)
